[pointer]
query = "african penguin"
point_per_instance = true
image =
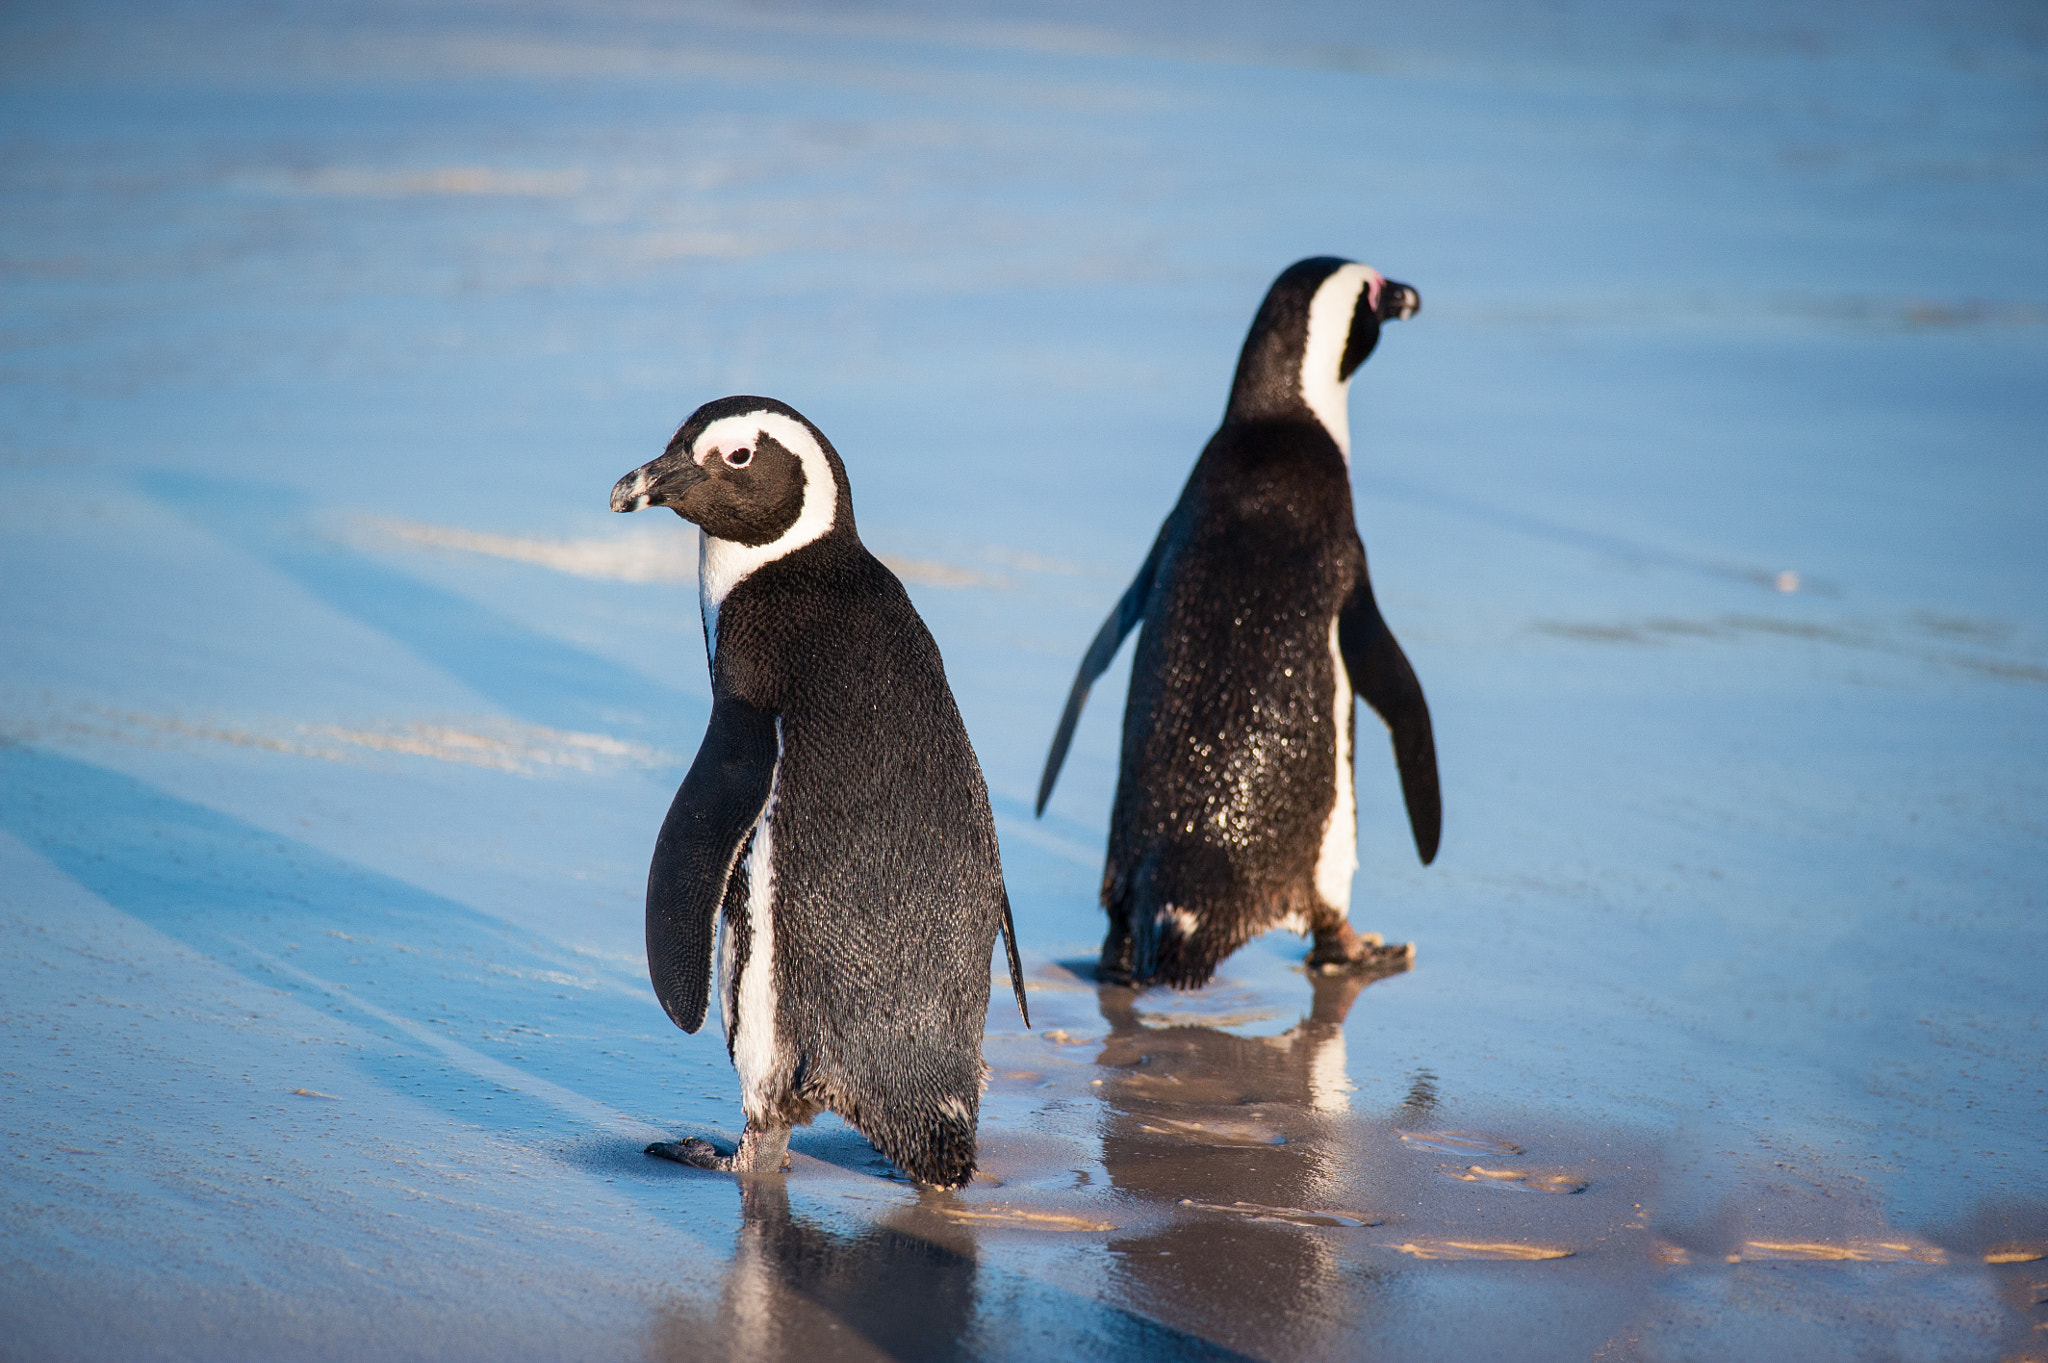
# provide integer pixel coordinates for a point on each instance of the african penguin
(832, 845)
(1234, 808)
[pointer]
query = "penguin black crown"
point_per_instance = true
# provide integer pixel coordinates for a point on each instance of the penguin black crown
(831, 848)
(1234, 806)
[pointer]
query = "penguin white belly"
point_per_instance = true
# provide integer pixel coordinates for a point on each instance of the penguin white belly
(1338, 858)
(748, 1001)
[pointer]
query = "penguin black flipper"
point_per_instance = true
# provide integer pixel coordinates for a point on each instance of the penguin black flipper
(1016, 962)
(1381, 676)
(1121, 622)
(707, 826)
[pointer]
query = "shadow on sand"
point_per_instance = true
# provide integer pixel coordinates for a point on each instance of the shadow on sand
(539, 679)
(402, 963)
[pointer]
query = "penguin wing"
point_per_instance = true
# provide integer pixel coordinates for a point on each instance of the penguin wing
(1016, 962)
(1380, 674)
(1121, 621)
(717, 807)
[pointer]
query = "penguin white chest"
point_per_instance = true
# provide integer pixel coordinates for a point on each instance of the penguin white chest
(1337, 860)
(746, 989)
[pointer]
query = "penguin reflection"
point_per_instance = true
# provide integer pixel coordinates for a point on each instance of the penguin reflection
(1200, 1116)
(797, 1290)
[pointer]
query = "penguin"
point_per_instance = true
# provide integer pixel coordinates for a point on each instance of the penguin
(831, 851)
(1234, 808)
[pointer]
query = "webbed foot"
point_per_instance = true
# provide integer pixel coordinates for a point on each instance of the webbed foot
(694, 1151)
(762, 1151)
(1342, 951)
(1115, 965)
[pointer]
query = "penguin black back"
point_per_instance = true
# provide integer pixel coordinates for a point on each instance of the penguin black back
(1234, 808)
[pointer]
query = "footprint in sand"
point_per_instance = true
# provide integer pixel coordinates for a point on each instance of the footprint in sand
(1294, 1216)
(1517, 1180)
(1458, 1143)
(1214, 1133)
(1498, 1251)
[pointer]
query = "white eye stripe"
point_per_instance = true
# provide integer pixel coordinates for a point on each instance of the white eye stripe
(722, 563)
(1329, 328)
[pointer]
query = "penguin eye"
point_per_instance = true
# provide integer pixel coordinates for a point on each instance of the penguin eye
(738, 459)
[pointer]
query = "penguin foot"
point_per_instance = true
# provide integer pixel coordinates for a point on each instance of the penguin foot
(1114, 965)
(695, 1151)
(1345, 952)
(1108, 973)
(761, 1152)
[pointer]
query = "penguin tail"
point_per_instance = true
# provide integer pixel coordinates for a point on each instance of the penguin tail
(1170, 948)
(938, 1155)
(928, 1135)
(1170, 936)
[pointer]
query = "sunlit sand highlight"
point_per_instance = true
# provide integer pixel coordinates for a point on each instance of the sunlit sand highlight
(1517, 1180)
(1214, 1133)
(1854, 1251)
(1458, 1143)
(500, 745)
(642, 556)
(636, 556)
(1295, 1216)
(1219, 1021)
(1020, 1219)
(1501, 1251)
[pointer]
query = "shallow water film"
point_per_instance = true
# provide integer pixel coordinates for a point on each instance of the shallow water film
(337, 715)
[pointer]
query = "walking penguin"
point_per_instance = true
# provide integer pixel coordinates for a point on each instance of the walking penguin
(1234, 806)
(832, 845)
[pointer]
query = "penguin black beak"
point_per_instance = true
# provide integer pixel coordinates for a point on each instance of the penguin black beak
(1398, 302)
(659, 482)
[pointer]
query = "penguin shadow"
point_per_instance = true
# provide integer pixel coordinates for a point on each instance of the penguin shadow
(1244, 1141)
(530, 675)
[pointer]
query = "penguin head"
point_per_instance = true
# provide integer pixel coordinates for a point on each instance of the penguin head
(750, 471)
(1318, 323)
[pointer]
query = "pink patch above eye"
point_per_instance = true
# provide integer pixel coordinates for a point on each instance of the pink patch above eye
(1373, 281)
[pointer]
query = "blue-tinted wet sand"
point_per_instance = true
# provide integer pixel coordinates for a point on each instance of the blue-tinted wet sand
(322, 836)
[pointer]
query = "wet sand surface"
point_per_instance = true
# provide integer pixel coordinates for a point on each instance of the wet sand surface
(337, 717)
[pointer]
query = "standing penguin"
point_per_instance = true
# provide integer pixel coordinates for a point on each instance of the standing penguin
(833, 836)
(1234, 803)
